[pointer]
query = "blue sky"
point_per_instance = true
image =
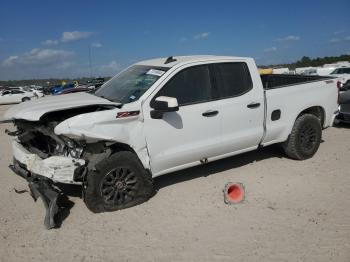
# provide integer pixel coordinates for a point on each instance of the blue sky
(40, 39)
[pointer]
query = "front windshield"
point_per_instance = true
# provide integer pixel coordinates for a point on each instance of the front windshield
(129, 85)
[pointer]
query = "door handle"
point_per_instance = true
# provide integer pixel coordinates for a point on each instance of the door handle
(253, 105)
(210, 113)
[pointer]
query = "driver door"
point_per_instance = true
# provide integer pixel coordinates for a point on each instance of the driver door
(184, 138)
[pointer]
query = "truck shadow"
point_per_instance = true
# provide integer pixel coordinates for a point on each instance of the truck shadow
(218, 166)
(211, 168)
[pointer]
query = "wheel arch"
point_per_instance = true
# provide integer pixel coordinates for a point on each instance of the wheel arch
(317, 111)
(26, 98)
(141, 154)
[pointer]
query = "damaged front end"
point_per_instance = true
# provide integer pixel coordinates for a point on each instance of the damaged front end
(45, 159)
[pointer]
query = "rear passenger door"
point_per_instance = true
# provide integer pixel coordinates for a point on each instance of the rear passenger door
(241, 108)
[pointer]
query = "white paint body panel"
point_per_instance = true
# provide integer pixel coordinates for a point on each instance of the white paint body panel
(343, 78)
(15, 98)
(292, 100)
(54, 103)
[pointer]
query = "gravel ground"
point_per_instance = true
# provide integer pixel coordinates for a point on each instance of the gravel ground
(294, 211)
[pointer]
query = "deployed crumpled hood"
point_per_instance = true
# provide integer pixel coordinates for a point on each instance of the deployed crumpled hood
(34, 110)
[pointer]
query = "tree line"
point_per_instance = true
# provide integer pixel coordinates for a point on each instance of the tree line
(306, 61)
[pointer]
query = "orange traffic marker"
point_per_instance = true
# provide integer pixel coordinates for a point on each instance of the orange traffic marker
(234, 193)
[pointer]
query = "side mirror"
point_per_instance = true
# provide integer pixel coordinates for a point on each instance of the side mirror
(163, 104)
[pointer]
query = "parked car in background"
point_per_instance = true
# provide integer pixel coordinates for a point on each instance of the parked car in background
(344, 108)
(36, 91)
(15, 96)
(344, 74)
(96, 82)
(74, 90)
(163, 115)
(58, 89)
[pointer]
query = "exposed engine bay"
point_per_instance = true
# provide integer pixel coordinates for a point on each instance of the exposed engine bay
(39, 139)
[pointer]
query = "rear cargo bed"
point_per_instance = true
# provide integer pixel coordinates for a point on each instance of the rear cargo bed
(273, 81)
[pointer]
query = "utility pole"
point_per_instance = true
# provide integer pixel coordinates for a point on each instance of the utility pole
(90, 61)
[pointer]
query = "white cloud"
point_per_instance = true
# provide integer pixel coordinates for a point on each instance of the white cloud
(96, 45)
(338, 40)
(339, 32)
(201, 35)
(334, 40)
(183, 39)
(74, 36)
(108, 68)
(270, 49)
(69, 37)
(289, 38)
(38, 56)
(50, 42)
(65, 65)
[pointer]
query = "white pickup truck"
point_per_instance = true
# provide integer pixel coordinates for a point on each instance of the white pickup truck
(159, 116)
(343, 73)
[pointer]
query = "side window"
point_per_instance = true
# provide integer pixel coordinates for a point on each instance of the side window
(189, 86)
(346, 70)
(17, 92)
(233, 79)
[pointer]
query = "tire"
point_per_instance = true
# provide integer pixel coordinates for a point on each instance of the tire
(305, 138)
(24, 99)
(118, 182)
(336, 122)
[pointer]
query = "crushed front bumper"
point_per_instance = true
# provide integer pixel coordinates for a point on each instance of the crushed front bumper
(57, 168)
(41, 175)
(43, 188)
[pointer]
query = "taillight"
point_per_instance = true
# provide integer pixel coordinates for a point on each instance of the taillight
(339, 86)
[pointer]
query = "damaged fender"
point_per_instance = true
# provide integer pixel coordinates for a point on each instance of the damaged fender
(106, 126)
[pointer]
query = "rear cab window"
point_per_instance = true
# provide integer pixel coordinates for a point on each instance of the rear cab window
(232, 79)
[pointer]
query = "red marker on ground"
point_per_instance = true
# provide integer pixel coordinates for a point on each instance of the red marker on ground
(234, 193)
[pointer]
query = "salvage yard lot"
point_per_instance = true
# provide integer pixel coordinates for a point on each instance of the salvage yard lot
(294, 211)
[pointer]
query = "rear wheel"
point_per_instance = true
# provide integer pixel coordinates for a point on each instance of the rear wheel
(305, 138)
(119, 182)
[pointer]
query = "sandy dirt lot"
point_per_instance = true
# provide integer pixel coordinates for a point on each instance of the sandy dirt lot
(294, 211)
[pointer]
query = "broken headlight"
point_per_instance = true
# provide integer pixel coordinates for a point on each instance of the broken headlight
(74, 149)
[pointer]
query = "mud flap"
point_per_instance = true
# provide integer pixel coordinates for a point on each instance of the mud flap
(43, 188)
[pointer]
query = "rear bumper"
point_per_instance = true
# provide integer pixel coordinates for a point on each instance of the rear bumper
(343, 117)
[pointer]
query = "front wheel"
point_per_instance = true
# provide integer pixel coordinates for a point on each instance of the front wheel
(119, 182)
(305, 138)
